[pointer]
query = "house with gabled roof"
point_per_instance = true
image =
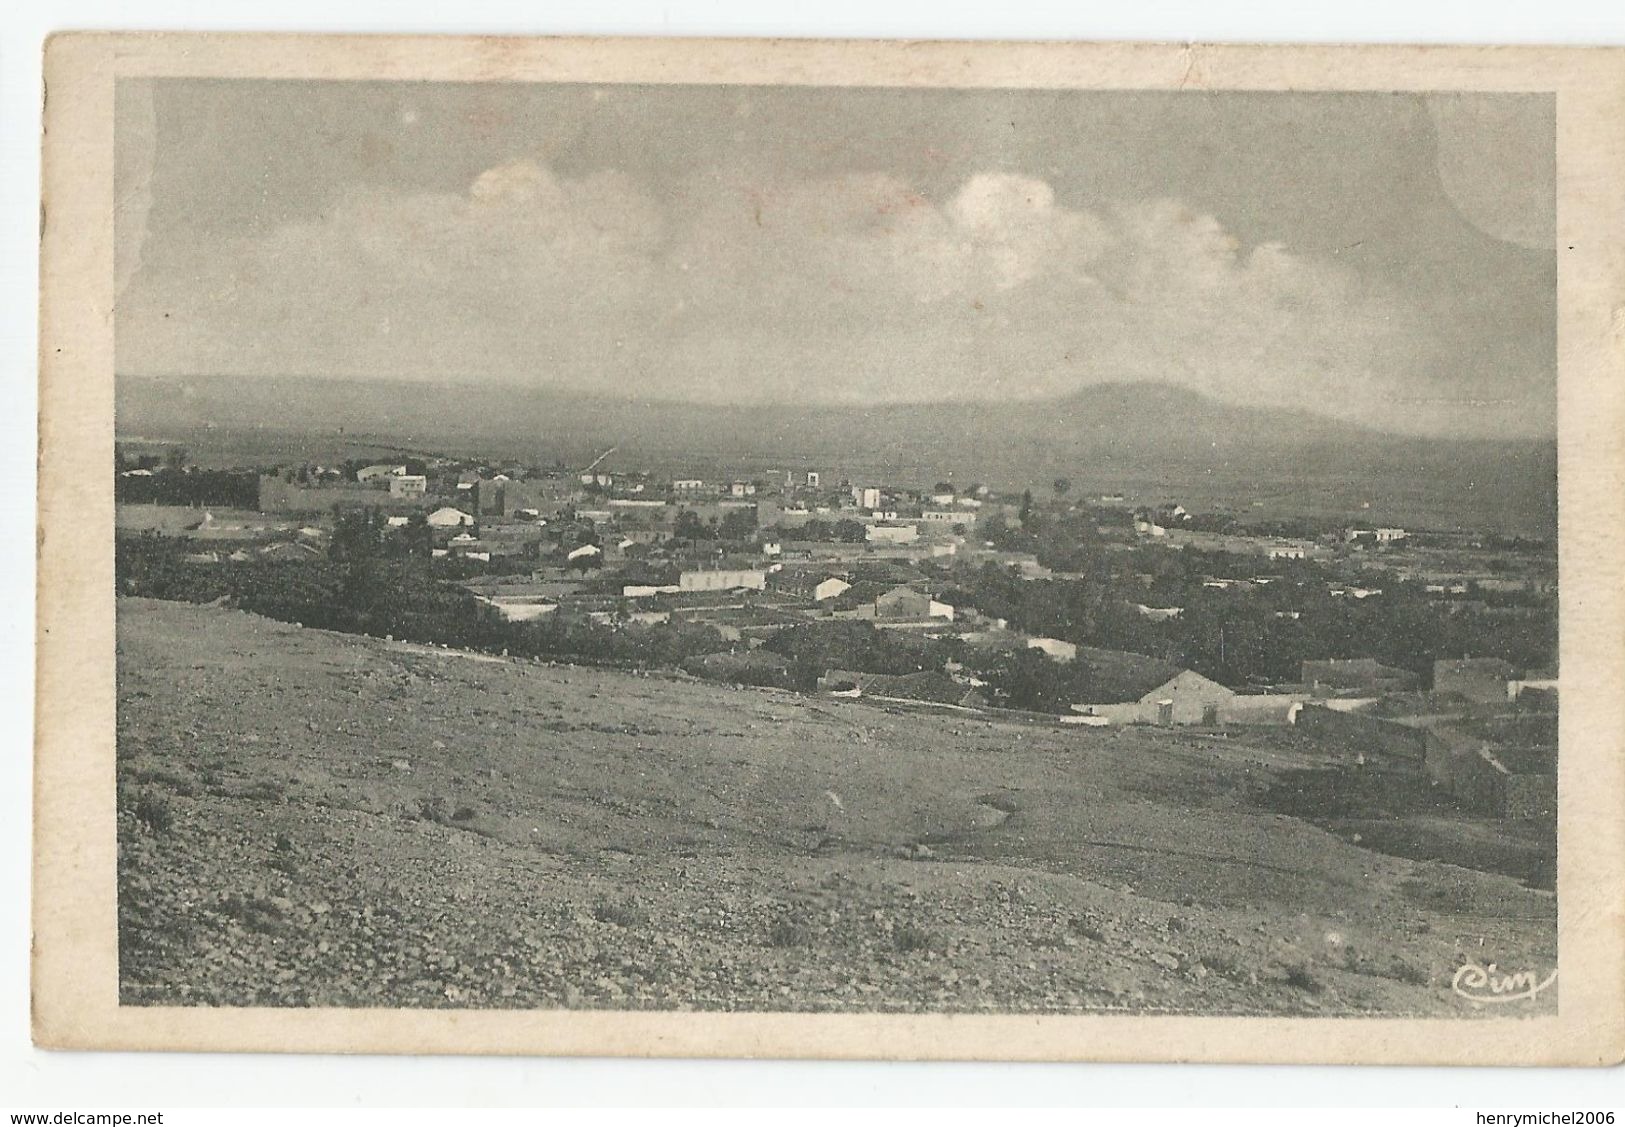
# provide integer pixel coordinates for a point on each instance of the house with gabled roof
(1483, 679)
(902, 601)
(448, 517)
(1355, 676)
(1131, 688)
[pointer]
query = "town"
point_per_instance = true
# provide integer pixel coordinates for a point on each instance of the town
(1427, 655)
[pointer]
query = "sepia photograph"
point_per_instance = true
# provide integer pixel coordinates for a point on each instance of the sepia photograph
(848, 547)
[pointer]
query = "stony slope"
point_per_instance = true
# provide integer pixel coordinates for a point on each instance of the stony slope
(309, 818)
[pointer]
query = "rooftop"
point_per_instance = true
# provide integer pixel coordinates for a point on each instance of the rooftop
(1119, 676)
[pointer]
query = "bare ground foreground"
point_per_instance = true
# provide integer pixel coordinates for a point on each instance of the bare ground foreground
(309, 818)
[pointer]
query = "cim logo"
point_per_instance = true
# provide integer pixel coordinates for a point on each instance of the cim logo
(1479, 983)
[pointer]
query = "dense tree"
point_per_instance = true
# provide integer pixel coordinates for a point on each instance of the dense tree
(417, 538)
(234, 489)
(738, 524)
(359, 534)
(1070, 543)
(689, 526)
(1027, 679)
(814, 648)
(380, 579)
(1240, 635)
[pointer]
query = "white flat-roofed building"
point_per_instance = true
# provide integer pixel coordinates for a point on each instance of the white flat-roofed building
(722, 579)
(408, 486)
(891, 533)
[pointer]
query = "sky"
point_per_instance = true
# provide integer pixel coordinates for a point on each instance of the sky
(1383, 259)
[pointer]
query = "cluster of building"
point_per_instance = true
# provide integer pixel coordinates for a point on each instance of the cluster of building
(1468, 734)
(750, 557)
(486, 515)
(1486, 733)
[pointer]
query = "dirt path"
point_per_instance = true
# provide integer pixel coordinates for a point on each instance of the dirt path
(439, 651)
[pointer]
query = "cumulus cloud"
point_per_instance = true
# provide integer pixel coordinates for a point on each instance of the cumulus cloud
(854, 287)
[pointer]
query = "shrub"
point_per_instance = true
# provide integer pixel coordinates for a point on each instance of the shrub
(255, 913)
(788, 932)
(1222, 963)
(1300, 977)
(179, 784)
(908, 938)
(263, 791)
(1088, 928)
(283, 859)
(154, 811)
(1409, 973)
(624, 913)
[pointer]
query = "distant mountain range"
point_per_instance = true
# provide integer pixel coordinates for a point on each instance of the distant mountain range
(1131, 419)
(1121, 432)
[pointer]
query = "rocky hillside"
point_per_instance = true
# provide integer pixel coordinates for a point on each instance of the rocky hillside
(319, 819)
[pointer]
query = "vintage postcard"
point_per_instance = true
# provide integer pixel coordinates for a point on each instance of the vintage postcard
(903, 550)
